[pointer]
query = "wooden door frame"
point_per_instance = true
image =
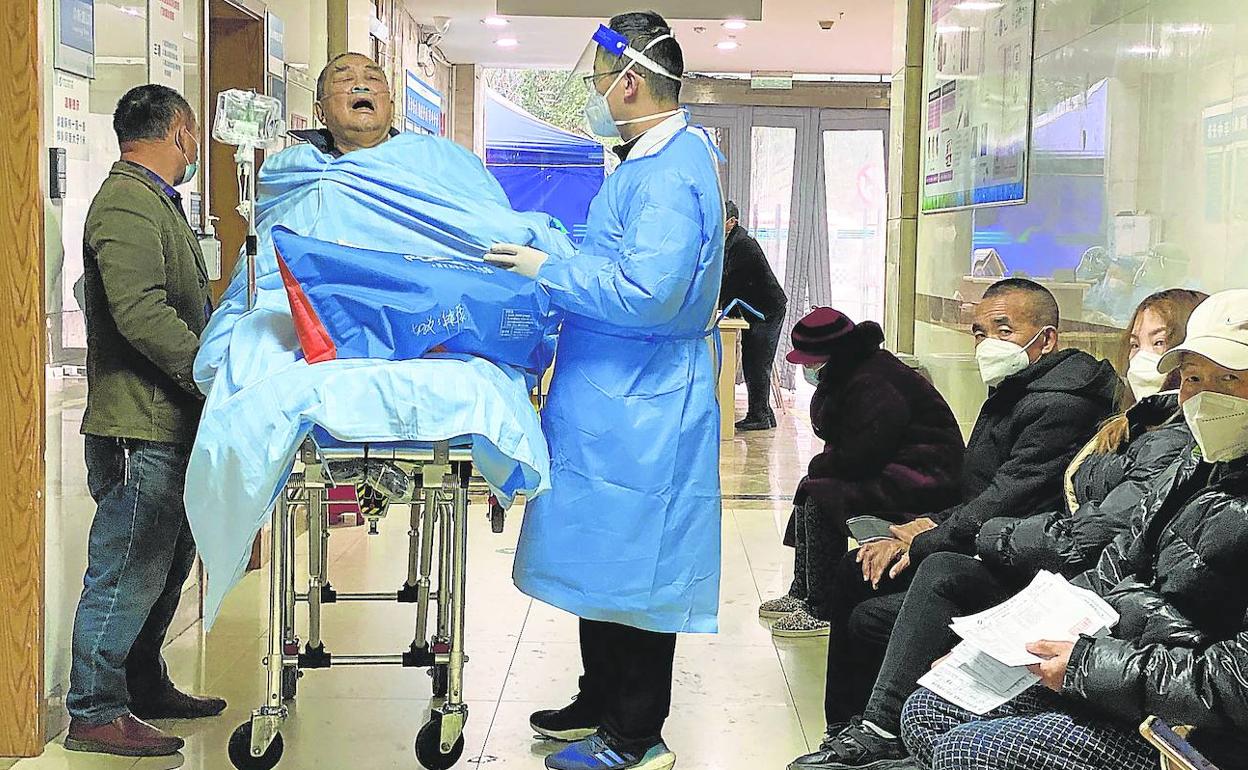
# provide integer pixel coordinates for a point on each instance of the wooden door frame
(23, 347)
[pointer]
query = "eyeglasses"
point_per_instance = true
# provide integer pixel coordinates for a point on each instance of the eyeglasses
(590, 80)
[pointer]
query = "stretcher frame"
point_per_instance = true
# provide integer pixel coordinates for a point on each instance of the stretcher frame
(444, 477)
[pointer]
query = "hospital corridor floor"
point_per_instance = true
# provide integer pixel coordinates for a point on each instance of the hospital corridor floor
(740, 701)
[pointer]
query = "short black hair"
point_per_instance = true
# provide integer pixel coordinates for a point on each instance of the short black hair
(1041, 305)
(148, 113)
(731, 211)
(641, 28)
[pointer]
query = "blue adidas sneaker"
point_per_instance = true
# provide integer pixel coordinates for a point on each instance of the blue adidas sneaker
(594, 753)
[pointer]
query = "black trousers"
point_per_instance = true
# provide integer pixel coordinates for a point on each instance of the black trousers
(628, 679)
(890, 641)
(820, 542)
(758, 354)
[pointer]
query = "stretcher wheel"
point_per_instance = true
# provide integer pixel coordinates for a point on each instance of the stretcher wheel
(441, 680)
(290, 683)
(429, 747)
(240, 750)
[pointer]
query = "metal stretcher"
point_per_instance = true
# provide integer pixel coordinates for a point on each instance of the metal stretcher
(442, 475)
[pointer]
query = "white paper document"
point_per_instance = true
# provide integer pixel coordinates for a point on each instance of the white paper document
(989, 668)
(975, 681)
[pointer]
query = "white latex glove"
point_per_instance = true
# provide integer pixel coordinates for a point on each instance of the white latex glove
(518, 259)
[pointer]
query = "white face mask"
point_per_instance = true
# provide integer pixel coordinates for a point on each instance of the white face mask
(1220, 424)
(812, 374)
(1142, 374)
(999, 359)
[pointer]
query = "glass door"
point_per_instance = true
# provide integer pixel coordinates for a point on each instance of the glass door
(810, 186)
(857, 214)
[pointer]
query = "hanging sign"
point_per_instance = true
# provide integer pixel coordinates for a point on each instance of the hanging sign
(75, 37)
(422, 111)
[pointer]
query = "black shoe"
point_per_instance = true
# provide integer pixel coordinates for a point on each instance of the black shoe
(854, 747)
(574, 722)
(766, 422)
(174, 704)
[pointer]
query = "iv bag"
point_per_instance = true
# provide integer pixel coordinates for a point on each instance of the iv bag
(247, 119)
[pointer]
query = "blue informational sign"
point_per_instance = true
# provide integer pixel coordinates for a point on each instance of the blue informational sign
(423, 108)
(77, 19)
(277, 45)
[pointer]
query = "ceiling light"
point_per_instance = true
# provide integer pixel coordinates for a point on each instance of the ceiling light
(735, 25)
(506, 42)
(728, 45)
(1185, 29)
(979, 5)
(495, 21)
(1143, 50)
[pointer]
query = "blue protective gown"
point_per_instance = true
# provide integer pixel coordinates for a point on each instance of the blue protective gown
(630, 531)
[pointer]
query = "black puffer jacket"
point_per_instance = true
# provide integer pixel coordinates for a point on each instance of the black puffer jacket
(1028, 431)
(1109, 488)
(1179, 580)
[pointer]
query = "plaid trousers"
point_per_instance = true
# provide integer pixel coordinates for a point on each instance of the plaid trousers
(1039, 730)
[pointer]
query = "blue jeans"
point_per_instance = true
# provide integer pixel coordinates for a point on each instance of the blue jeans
(140, 552)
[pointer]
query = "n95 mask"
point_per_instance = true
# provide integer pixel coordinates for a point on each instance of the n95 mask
(1220, 424)
(999, 359)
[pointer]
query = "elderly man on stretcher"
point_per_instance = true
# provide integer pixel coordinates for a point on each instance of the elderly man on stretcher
(356, 183)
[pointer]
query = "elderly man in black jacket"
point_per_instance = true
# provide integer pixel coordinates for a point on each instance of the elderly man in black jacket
(1043, 405)
(1179, 582)
(749, 278)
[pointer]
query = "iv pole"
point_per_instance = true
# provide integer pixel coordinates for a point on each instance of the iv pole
(248, 121)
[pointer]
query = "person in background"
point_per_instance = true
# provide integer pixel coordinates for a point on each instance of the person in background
(749, 278)
(1105, 484)
(891, 446)
(146, 292)
(1043, 405)
(1178, 580)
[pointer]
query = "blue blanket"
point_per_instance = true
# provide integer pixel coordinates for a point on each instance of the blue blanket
(415, 194)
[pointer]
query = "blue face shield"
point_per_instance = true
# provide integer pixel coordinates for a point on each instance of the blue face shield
(598, 117)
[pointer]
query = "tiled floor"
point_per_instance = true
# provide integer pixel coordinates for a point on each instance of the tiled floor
(741, 702)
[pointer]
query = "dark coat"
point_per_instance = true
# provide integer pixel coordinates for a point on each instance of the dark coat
(146, 290)
(1110, 489)
(1179, 581)
(749, 278)
(1028, 431)
(892, 447)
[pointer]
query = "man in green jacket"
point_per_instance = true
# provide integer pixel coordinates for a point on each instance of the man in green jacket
(146, 292)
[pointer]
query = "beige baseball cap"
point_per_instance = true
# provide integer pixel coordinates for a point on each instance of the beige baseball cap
(1217, 330)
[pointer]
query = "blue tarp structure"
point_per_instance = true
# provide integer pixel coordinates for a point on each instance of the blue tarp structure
(542, 167)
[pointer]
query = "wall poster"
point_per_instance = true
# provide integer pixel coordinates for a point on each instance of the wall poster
(166, 24)
(977, 79)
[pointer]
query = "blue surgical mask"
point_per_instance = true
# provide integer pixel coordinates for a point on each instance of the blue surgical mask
(812, 375)
(191, 169)
(598, 116)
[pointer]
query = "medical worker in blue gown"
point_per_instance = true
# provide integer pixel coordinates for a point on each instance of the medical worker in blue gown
(628, 539)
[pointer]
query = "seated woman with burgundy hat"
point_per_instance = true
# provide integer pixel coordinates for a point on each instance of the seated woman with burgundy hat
(891, 447)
